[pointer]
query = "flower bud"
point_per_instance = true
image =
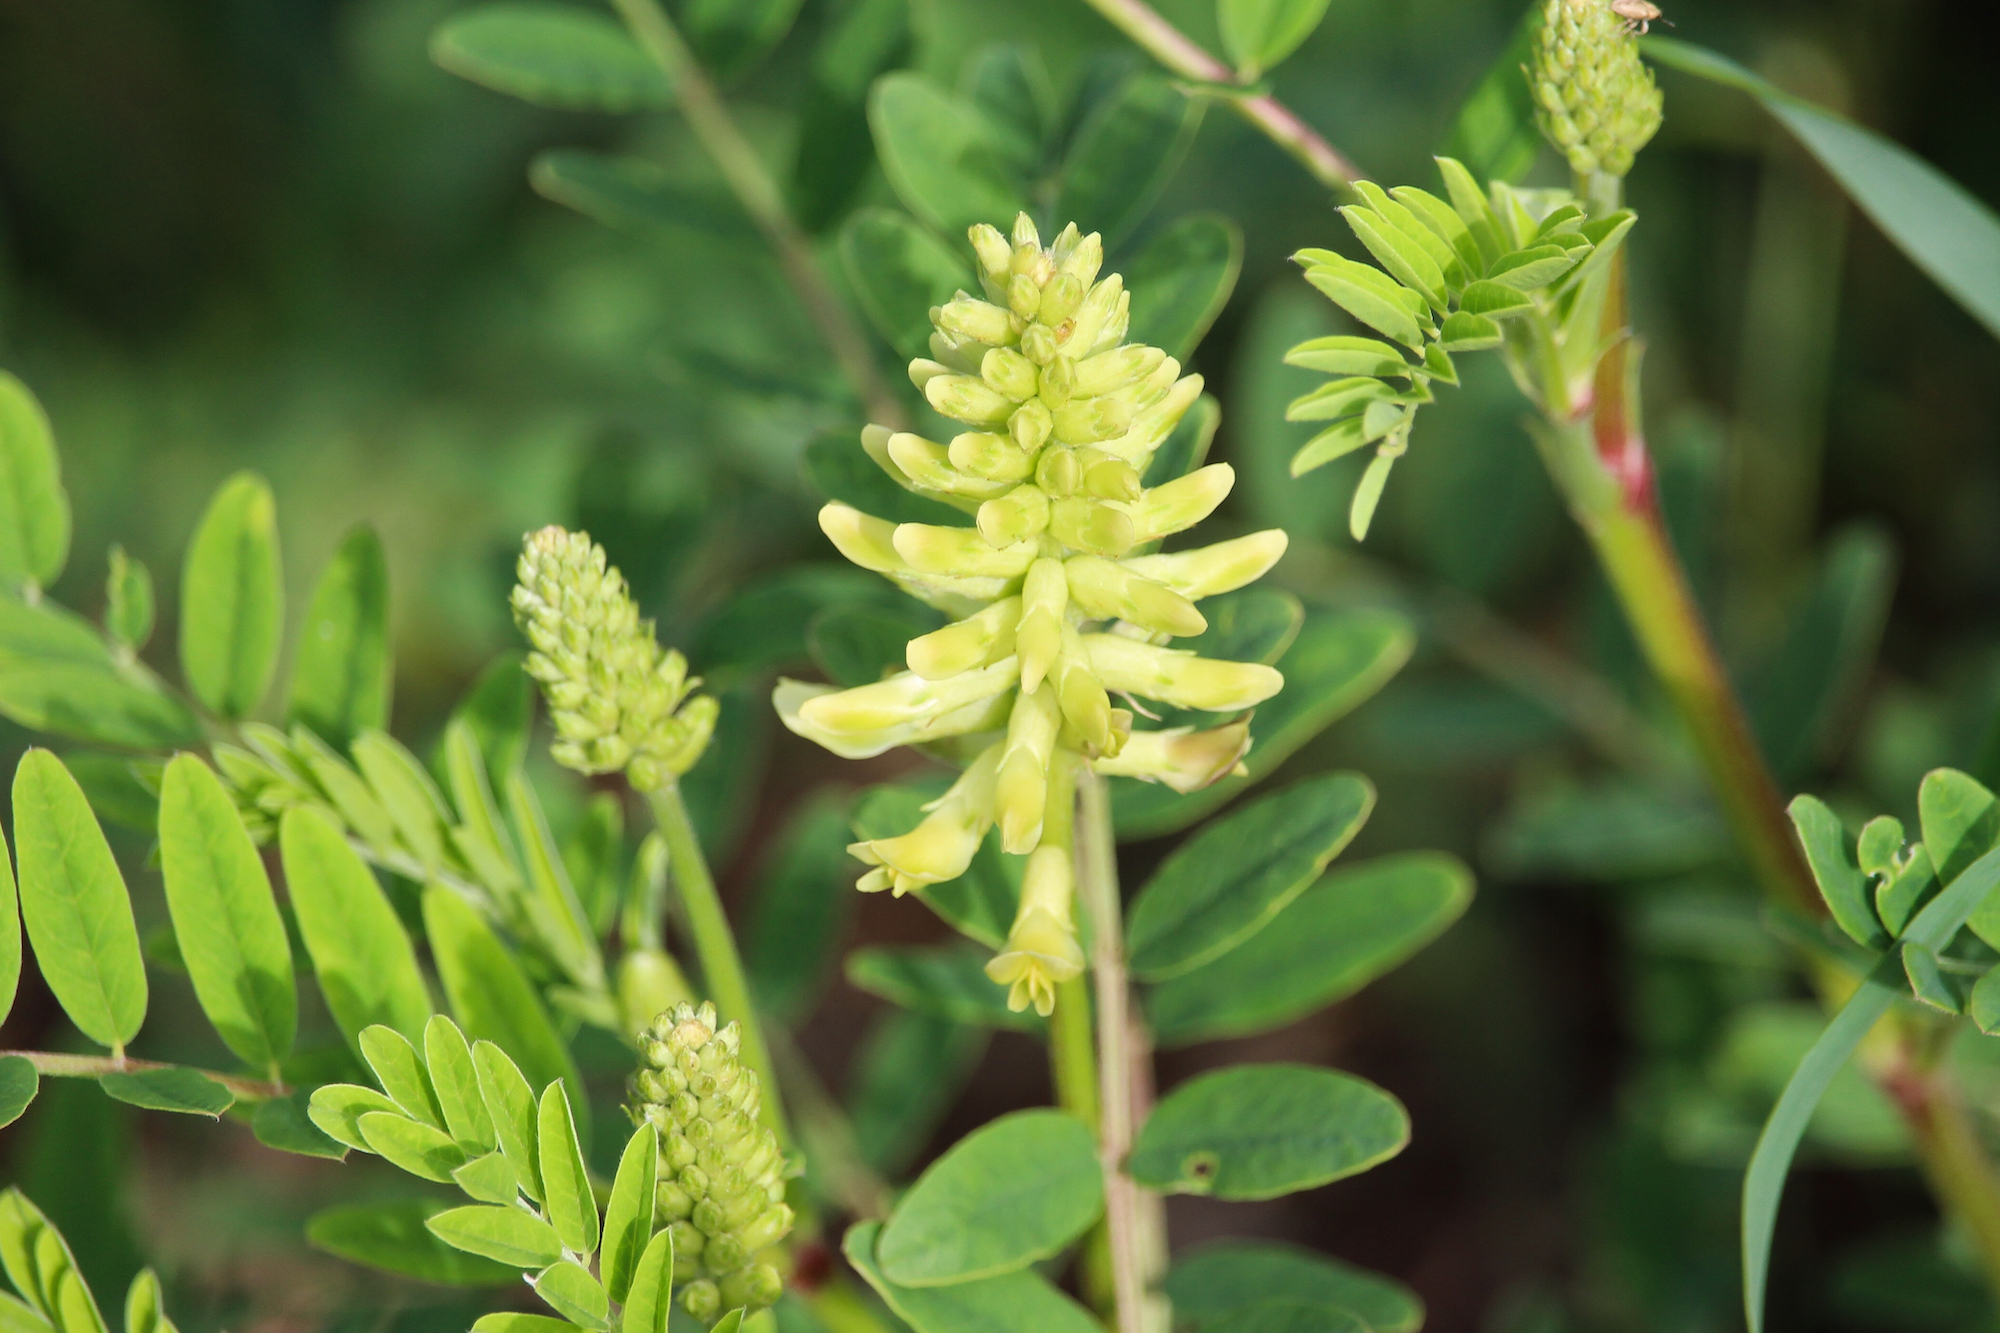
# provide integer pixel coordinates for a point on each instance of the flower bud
(1182, 502)
(1152, 426)
(1041, 950)
(934, 550)
(1024, 295)
(1208, 570)
(1180, 757)
(1060, 299)
(1091, 317)
(1112, 479)
(649, 983)
(992, 248)
(1058, 381)
(1044, 600)
(1595, 100)
(1087, 420)
(905, 698)
(1059, 472)
(1084, 260)
(942, 846)
(1097, 526)
(990, 457)
(1009, 374)
(963, 398)
(1038, 344)
(922, 372)
(927, 466)
(1015, 517)
(981, 321)
(1107, 590)
(1178, 677)
(1085, 704)
(1020, 791)
(1027, 241)
(791, 697)
(1115, 369)
(1030, 425)
(976, 641)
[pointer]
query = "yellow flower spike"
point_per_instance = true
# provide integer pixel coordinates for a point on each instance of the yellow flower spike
(1107, 590)
(1181, 757)
(1208, 570)
(1178, 677)
(959, 552)
(929, 468)
(964, 398)
(981, 321)
(1183, 502)
(1041, 951)
(906, 698)
(941, 848)
(993, 251)
(1020, 793)
(1100, 527)
(1009, 374)
(976, 641)
(1085, 704)
(1044, 604)
(1109, 371)
(993, 457)
(1015, 517)
(791, 698)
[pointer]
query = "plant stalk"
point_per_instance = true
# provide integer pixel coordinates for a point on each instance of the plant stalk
(57, 1065)
(1073, 1065)
(1132, 1218)
(715, 947)
(761, 199)
(1180, 53)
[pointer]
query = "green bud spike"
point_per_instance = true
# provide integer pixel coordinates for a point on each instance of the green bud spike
(721, 1176)
(1594, 99)
(617, 700)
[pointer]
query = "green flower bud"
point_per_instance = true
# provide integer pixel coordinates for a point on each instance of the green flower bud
(1021, 788)
(981, 321)
(1107, 590)
(725, 1214)
(1015, 517)
(1179, 678)
(1595, 100)
(1181, 757)
(977, 641)
(941, 848)
(1030, 425)
(1181, 503)
(1044, 602)
(918, 464)
(964, 398)
(1059, 473)
(617, 700)
(1208, 570)
(962, 551)
(1009, 374)
(993, 457)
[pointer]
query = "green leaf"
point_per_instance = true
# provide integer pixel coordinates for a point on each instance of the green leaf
(1228, 882)
(393, 1237)
(1295, 1317)
(1338, 660)
(556, 56)
(575, 1294)
(1014, 1191)
(980, 903)
(834, 154)
(1811, 684)
(174, 1088)
(366, 967)
(285, 1123)
(411, 1145)
(859, 644)
(1494, 300)
(43, 1268)
(19, 1082)
(10, 934)
(490, 995)
(233, 599)
(116, 789)
(499, 709)
(342, 675)
(1494, 133)
(1401, 255)
(763, 626)
(448, 1061)
(553, 907)
(1351, 287)
(232, 939)
(1187, 448)
(1017, 1302)
(632, 194)
(729, 36)
(58, 676)
(628, 1213)
(34, 509)
(907, 1075)
(593, 853)
(729, 1323)
(352, 797)
(1465, 332)
(511, 1236)
(1258, 1131)
(1840, 880)
(516, 1119)
(1764, 1182)
(75, 906)
(940, 155)
(128, 600)
(649, 1301)
(489, 1178)
(948, 981)
(1009, 83)
(1216, 1283)
(400, 1071)
(407, 794)
(1343, 355)
(1961, 821)
(513, 1321)
(1531, 269)
(145, 1307)
(1342, 933)
(565, 1178)
(1123, 154)
(1257, 34)
(1181, 281)
(1946, 232)
(1983, 1007)
(336, 1110)
(899, 271)
(801, 905)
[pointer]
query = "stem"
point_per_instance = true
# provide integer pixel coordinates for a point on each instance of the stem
(1181, 54)
(1073, 1062)
(1138, 1251)
(56, 1065)
(715, 947)
(1955, 1162)
(760, 197)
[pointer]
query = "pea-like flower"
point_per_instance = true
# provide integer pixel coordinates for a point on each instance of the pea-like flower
(1061, 602)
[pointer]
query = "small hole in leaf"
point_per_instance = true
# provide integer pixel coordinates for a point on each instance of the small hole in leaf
(1198, 1171)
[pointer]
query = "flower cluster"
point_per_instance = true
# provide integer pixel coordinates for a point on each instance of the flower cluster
(1061, 601)
(617, 701)
(721, 1175)
(1594, 99)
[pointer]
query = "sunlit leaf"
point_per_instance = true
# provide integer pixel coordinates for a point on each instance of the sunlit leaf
(393, 1237)
(560, 56)
(939, 154)
(341, 675)
(34, 510)
(1181, 281)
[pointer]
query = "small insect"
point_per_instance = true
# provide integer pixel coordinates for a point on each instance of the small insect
(1639, 15)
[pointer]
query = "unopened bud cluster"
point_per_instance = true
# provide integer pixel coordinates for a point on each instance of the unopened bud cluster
(1595, 100)
(1058, 604)
(617, 701)
(721, 1175)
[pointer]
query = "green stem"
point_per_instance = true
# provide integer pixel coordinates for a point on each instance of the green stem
(56, 1065)
(715, 946)
(1181, 54)
(761, 199)
(1134, 1220)
(1073, 1062)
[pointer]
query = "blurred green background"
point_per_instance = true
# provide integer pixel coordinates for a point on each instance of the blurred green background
(273, 235)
